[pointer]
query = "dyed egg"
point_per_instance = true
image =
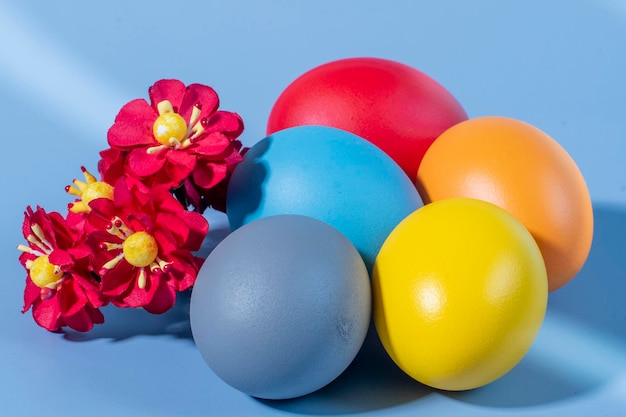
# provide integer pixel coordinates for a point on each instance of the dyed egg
(328, 174)
(523, 170)
(281, 306)
(460, 293)
(396, 107)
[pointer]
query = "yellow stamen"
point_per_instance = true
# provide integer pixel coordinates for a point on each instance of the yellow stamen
(30, 250)
(79, 207)
(165, 107)
(73, 191)
(38, 231)
(159, 265)
(88, 176)
(111, 246)
(112, 263)
(155, 149)
(174, 142)
(119, 229)
(81, 185)
(193, 121)
(141, 279)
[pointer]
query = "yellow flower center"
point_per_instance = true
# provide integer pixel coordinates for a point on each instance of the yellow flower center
(88, 190)
(98, 189)
(43, 273)
(140, 249)
(169, 128)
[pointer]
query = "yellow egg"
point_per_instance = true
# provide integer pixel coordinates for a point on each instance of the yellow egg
(460, 292)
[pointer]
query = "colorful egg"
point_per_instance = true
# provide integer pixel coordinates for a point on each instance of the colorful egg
(396, 107)
(281, 306)
(523, 170)
(328, 174)
(460, 292)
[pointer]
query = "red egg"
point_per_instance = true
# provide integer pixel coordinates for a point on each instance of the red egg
(396, 107)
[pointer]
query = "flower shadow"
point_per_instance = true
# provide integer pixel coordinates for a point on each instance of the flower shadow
(125, 323)
(584, 332)
(371, 382)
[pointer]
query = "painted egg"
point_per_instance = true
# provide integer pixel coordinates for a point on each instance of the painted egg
(328, 174)
(281, 306)
(460, 292)
(523, 170)
(398, 108)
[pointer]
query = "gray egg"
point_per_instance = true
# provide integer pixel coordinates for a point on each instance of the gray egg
(281, 306)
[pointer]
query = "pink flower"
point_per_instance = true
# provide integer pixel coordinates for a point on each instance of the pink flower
(143, 241)
(179, 139)
(60, 287)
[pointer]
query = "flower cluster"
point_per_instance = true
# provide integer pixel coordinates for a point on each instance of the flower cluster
(129, 238)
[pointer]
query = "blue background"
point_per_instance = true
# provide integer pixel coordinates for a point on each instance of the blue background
(67, 67)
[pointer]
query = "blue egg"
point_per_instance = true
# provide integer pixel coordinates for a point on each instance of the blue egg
(281, 306)
(325, 173)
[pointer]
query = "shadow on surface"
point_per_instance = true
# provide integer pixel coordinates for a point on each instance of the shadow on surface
(371, 382)
(125, 323)
(593, 300)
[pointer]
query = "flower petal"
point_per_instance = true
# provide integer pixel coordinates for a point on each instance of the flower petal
(142, 164)
(189, 195)
(198, 228)
(32, 294)
(72, 299)
(172, 90)
(226, 122)
(84, 319)
(210, 145)
(207, 174)
(133, 125)
(185, 271)
(111, 165)
(61, 258)
(180, 165)
(202, 94)
(139, 297)
(172, 233)
(163, 299)
(47, 314)
(116, 281)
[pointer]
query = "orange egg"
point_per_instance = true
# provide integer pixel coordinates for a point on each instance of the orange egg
(523, 170)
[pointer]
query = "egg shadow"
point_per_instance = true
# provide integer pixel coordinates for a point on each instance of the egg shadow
(371, 382)
(594, 299)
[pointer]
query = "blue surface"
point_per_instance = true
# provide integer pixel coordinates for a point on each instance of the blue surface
(67, 67)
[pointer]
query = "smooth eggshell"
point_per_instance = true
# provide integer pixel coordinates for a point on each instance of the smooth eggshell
(328, 174)
(520, 168)
(396, 107)
(281, 306)
(460, 293)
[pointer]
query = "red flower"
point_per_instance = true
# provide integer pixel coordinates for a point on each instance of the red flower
(180, 136)
(143, 241)
(59, 286)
